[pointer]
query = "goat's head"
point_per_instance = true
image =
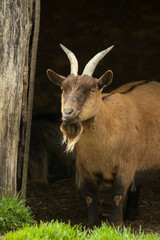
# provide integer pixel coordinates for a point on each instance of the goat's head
(81, 93)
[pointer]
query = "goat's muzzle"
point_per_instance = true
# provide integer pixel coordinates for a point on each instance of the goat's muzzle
(69, 115)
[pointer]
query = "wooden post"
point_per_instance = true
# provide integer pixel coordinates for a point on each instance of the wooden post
(16, 29)
(27, 111)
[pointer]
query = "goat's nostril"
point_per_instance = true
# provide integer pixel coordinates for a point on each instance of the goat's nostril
(68, 111)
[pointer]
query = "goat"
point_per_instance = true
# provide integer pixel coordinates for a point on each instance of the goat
(114, 135)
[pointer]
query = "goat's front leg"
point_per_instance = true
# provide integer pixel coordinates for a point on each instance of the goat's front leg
(132, 202)
(119, 192)
(90, 191)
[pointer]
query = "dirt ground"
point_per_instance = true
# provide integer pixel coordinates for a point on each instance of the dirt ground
(61, 200)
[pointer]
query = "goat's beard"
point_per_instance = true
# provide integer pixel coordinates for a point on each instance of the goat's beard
(71, 134)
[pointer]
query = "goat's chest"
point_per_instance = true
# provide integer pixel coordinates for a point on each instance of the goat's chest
(95, 157)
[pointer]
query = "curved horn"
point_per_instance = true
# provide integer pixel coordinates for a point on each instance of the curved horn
(72, 58)
(91, 65)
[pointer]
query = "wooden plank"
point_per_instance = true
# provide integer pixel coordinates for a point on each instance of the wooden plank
(15, 34)
(29, 103)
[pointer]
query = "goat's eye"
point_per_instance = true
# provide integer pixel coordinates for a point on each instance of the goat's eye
(92, 91)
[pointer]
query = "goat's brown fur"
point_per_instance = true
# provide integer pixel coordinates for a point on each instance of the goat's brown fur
(116, 134)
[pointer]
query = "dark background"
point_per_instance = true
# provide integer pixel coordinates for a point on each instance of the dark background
(87, 27)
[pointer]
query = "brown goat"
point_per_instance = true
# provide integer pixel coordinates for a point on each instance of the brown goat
(114, 134)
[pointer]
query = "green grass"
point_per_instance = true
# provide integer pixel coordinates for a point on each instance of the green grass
(53, 230)
(62, 231)
(17, 223)
(13, 214)
(107, 232)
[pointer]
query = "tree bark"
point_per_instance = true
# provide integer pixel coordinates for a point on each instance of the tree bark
(15, 36)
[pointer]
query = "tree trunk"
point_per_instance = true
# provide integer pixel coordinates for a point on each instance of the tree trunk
(16, 23)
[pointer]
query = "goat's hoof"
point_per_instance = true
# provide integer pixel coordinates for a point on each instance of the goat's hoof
(130, 215)
(115, 222)
(89, 224)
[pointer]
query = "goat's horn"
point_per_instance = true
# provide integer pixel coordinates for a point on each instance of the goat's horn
(72, 58)
(91, 65)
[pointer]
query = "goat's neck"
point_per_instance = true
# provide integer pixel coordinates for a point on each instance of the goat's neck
(99, 120)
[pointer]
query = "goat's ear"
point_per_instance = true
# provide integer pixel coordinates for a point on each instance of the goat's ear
(105, 80)
(54, 77)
